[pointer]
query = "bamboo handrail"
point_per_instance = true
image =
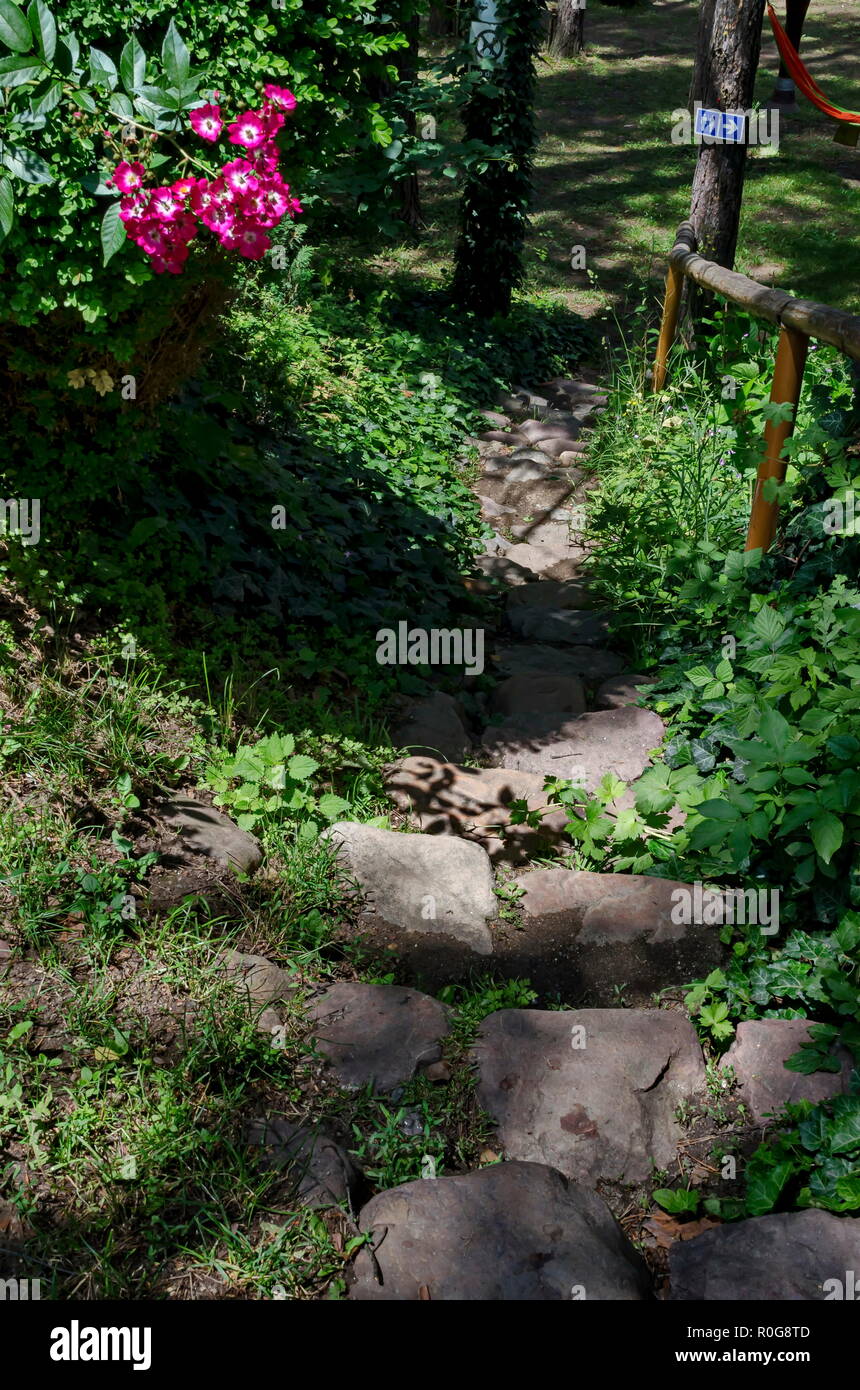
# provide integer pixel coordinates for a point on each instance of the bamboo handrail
(799, 320)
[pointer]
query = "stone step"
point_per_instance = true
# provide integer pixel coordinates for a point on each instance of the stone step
(512, 1232)
(377, 1035)
(592, 1092)
(791, 1256)
(592, 663)
(583, 749)
(435, 725)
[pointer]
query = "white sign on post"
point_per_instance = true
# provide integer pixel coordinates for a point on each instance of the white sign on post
(485, 33)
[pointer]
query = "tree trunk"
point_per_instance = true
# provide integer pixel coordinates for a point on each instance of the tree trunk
(407, 71)
(567, 29)
(726, 68)
(703, 50)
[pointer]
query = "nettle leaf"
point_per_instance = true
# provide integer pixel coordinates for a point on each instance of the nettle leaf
(301, 767)
(7, 208)
(15, 32)
(175, 56)
(768, 624)
(27, 165)
(44, 27)
(132, 66)
(826, 833)
(332, 806)
(18, 68)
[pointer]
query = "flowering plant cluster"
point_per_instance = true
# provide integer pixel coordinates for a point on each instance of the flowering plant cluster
(240, 203)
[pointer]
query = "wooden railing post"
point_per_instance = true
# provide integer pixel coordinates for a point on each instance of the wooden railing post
(787, 382)
(669, 324)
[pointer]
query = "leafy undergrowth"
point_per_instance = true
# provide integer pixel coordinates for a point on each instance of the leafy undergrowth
(754, 665)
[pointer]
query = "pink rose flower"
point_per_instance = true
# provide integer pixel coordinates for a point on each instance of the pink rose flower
(206, 122)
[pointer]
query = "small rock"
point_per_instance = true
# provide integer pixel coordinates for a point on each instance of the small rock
(263, 981)
(497, 545)
(378, 1033)
(495, 419)
(572, 457)
(758, 1056)
(591, 663)
(536, 431)
(208, 832)
(491, 509)
(791, 1256)
(593, 1092)
(434, 725)
(324, 1173)
(438, 1071)
(620, 690)
(420, 883)
(514, 1232)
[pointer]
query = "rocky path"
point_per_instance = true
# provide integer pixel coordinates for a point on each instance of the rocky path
(591, 1097)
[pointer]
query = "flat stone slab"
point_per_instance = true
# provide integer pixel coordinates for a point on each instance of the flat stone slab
(787, 1257)
(506, 571)
(379, 1034)
(420, 883)
(512, 1232)
(322, 1173)
(541, 532)
(570, 626)
(551, 593)
(583, 749)
(434, 725)
(621, 690)
(538, 430)
(620, 931)
(445, 799)
(757, 1057)
(592, 1092)
(208, 832)
(538, 694)
(592, 663)
(562, 563)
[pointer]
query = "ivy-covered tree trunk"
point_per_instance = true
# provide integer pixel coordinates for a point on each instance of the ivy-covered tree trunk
(567, 29)
(726, 66)
(497, 194)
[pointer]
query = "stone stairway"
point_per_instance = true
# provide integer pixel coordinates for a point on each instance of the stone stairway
(589, 1099)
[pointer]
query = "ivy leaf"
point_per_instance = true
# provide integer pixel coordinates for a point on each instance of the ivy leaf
(112, 238)
(132, 66)
(44, 27)
(27, 165)
(7, 208)
(175, 56)
(826, 833)
(14, 30)
(764, 1186)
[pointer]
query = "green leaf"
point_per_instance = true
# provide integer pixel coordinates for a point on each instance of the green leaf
(112, 238)
(301, 767)
(132, 66)
(102, 69)
(7, 208)
(14, 30)
(826, 833)
(715, 809)
(46, 96)
(19, 1030)
(27, 165)
(764, 1184)
(768, 624)
(332, 806)
(678, 1200)
(44, 27)
(17, 69)
(175, 56)
(699, 676)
